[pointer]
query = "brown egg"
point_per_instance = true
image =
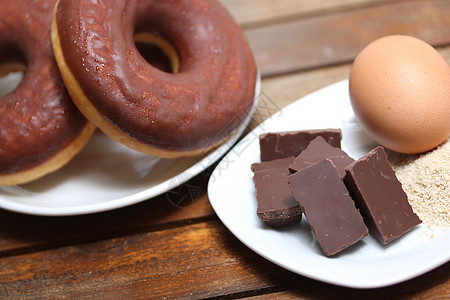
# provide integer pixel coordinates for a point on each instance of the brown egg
(400, 93)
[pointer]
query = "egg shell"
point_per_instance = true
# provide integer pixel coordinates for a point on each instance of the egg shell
(400, 93)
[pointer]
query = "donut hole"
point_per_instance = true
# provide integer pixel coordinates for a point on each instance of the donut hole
(11, 74)
(157, 51)
(13, 65)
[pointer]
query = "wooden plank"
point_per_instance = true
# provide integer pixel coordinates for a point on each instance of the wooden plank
(253, 13)
(282, 89)
(338, 38)
(24, 233)
(172, 264)
(166, 263)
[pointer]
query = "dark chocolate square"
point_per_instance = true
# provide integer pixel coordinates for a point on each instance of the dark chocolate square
(328, 206)
(380, 196)
(291, 143)
(276, 204)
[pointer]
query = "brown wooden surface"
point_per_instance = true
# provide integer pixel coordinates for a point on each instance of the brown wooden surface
(157, 249)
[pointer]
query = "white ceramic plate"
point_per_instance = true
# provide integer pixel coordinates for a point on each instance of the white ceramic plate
(105, 175)
(368, 264)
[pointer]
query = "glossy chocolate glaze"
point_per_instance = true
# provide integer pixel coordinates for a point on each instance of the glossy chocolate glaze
(37, 119)
(200, 105)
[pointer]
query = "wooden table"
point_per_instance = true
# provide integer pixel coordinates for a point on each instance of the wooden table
(157, 249)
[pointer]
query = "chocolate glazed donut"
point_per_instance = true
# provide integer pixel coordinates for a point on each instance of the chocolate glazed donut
(40, 127)
(155, 112)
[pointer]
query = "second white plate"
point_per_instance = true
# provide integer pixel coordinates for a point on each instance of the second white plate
(367, 264)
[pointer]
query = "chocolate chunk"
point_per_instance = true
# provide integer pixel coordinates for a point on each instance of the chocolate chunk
(291, 143)
(328, 206)
(317, 150)
(380, 197)
(276, 204)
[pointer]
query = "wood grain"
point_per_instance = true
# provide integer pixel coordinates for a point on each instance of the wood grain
(23, 233)
(337, 38)
(254, 13)
(172, 259)
(173, 246)
(195, 261)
